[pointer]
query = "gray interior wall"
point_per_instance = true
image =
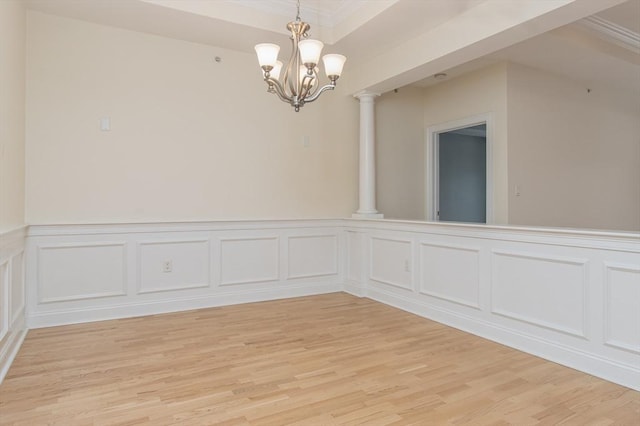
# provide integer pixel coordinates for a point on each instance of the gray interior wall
(462, 178)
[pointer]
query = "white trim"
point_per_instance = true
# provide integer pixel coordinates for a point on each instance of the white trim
(371, 276)
(581, 333)
(607, 339)
(335, 271)
(613, 32)
(591, 354)
(274, 278)
(11, 347)
(84, 314)
(609, 369)
(140, 290)
(431, 163)
(121, 292)
(474, 305)
(5, 301)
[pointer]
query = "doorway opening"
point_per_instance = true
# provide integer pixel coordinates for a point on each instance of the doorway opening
(458, 165)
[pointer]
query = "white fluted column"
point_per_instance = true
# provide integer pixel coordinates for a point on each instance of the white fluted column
(367, 208)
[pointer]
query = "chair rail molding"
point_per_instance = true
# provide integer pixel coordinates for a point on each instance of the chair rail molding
(570, 296)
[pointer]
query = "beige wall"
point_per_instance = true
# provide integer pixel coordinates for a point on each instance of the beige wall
(190, 139)
(480, 92)
(12, 118)
(402, 120)
(400, 154)
(574, 155)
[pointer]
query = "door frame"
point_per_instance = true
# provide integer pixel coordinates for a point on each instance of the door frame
(431, 163)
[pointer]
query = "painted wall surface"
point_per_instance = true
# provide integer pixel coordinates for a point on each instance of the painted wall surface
(400, 154)
(479, 92)
(574, 154)
(462, 178)
(12, 113)
(190, 139)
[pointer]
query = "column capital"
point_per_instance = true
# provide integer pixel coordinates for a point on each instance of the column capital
(366, 94)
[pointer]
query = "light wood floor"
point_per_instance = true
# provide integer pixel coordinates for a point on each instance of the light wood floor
(320, 360)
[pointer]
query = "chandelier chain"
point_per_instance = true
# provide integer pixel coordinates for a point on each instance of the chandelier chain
(298, 11)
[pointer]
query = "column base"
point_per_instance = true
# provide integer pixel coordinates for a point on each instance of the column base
(367, 216)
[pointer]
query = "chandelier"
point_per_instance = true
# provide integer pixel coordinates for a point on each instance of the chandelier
(299, 83)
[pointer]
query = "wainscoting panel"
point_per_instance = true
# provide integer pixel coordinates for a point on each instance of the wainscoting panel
(354, 256)
(81, 271)
(16, 288)
(450, 273)
(391, 262)
(4, 295)
(546, 291)
(569, 296)
(249, 260)
(173, 265)
(12, 296)
(622, 306)
(543, 291)
(312, 256)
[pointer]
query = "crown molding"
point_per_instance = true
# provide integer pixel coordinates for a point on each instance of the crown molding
(613, 33)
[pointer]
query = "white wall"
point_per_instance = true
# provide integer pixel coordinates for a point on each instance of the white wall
(399, 135)
(12, 115)
(191, 139)
(574, 154)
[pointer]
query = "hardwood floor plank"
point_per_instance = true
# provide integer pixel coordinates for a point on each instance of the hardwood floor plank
(331, 359)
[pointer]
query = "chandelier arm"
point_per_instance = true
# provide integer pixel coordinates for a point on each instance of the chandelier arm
(312, 90)
(279, 90)
(291, 75)
(306, 89)
(329, 86)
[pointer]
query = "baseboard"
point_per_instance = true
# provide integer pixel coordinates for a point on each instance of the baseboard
(355, 289)
(176, 304)
(596, 365)
(13, 342)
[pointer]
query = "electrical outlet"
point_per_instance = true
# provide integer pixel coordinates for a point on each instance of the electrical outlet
(407, 266)
(167, 266)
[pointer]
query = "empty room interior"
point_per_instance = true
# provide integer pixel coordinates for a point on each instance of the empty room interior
(319, 212)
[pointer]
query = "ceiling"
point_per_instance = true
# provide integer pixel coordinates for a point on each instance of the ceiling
(603, 48)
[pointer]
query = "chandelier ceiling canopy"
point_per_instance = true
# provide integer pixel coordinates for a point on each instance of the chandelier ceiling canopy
(299, 84)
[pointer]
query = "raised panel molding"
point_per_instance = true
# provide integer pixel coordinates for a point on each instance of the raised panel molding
(4, 299)
(546, 291)
(190, 265)
(622, 306)
(16, 287)
(391, 262)
(249, 260)
(451, 273)
(372, 260)
(311, 256)
(79, 271)
(354, 256)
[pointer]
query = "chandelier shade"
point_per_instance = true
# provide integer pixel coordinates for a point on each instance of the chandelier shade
(267, 54)
(298, 84)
